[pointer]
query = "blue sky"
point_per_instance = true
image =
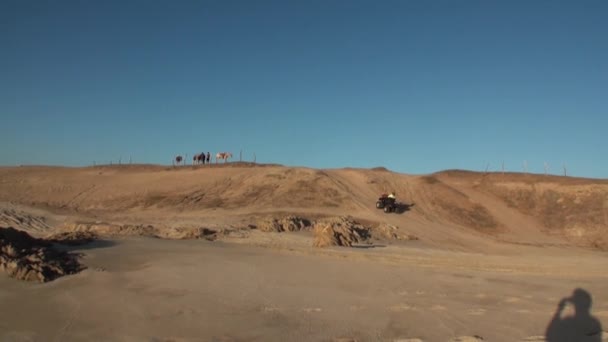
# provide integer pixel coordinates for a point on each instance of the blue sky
(415, 86)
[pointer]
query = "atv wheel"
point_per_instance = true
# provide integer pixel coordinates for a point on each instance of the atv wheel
(387, 209)
(379, 205)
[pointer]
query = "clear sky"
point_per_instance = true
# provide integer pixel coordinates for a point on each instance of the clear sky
(415, 86)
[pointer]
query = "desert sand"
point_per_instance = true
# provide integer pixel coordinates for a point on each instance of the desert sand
(229, 253)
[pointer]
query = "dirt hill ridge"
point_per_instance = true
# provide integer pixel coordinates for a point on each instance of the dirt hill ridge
(451, 205)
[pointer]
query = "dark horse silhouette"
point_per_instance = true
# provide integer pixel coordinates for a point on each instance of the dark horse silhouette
(178, 159)
(198, 158)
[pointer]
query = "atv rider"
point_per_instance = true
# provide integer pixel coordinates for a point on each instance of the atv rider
(392, 198)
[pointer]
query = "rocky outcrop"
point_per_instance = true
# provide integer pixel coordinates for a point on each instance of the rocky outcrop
(27, 258)
(12, 217)
(187, 233)
(73, 238)
(390, 232)
(284, 224)
(116, 230)
(338, 231)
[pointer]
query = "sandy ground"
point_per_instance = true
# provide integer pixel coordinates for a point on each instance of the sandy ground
(495, 274)
(141, 289)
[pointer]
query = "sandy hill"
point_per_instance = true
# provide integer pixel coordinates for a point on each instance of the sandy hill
(450, 209)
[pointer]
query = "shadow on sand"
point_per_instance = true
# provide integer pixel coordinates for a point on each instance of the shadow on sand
(578, 327)
(401, 208)
(85, 245)
(389, 206)
(368, 246)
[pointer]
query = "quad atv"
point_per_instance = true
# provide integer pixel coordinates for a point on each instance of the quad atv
(387, 203)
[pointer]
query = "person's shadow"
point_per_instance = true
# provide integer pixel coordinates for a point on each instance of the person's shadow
(579, 327)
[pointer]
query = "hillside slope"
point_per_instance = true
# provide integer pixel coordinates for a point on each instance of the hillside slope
(447, 209)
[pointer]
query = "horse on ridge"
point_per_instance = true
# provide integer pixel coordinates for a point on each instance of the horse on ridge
(198, 159)
(223, 155)
(178, 160)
